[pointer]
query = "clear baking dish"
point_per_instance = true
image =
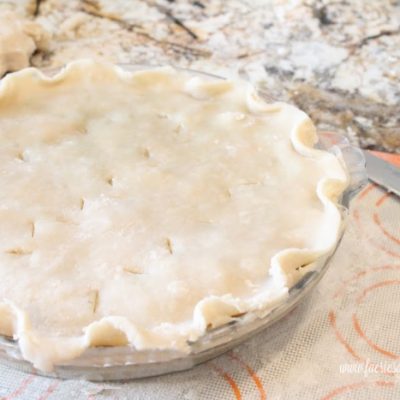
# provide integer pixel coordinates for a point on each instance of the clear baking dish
(120, 363)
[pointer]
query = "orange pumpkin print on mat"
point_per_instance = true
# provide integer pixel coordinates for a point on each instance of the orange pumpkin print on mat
(237, 394)
(394, 241)
(336, 393)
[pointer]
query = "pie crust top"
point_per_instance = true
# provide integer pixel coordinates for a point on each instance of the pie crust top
(145, 207)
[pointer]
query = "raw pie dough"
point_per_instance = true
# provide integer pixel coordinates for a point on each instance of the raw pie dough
(19, 38)
(145, 207)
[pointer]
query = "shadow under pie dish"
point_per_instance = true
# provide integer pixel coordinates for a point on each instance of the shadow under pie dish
(144, 212)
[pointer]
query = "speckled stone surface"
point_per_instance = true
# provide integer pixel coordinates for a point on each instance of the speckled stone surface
(337, 60)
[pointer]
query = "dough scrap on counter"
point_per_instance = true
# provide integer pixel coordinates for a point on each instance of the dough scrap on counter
(19, 39)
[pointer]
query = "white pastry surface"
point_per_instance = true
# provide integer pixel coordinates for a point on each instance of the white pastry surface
(142, 208)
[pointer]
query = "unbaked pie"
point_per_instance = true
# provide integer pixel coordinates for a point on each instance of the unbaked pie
(144, 208)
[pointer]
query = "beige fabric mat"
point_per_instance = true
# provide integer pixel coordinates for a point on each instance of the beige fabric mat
(341, 342)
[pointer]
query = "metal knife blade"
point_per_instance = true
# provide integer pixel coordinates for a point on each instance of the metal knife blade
(383, 173)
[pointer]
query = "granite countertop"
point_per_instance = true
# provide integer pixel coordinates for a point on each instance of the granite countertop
(337, 60)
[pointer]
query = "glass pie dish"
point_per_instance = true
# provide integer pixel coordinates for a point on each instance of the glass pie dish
(109, 363)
